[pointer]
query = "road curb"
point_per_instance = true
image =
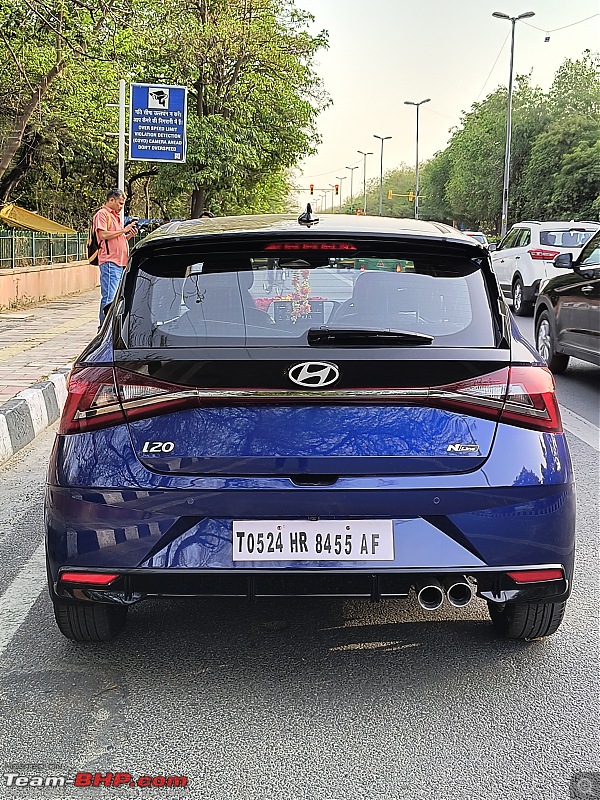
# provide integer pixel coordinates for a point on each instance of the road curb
(29, 412)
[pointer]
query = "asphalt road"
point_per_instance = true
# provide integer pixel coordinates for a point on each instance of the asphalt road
(294, 699)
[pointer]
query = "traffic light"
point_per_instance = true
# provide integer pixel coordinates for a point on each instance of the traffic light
(312, 188)
(411, 197)
(390, 194)
(337, 188)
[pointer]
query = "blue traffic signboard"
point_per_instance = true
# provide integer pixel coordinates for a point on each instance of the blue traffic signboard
(157, 119)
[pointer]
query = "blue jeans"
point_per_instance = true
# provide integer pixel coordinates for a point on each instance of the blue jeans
(110, 277)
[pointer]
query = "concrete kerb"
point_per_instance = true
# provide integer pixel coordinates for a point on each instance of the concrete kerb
(28, 413)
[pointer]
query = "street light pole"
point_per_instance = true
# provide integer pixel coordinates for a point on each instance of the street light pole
(332, 195)
(383, 139)
(364, 155)
(337, 177)
(417, 105)
(351, 185)
(513, 21)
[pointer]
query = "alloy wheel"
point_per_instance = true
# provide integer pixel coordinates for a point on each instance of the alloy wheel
(544, 343)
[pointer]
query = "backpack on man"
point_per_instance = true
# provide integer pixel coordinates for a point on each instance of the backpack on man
(93, 244)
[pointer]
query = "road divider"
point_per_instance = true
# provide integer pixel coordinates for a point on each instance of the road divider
(29, 412)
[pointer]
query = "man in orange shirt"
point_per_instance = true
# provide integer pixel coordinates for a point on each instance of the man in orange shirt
(114, 248)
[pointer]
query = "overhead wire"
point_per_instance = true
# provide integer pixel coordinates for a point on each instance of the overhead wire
(563, 27)
(493, 67)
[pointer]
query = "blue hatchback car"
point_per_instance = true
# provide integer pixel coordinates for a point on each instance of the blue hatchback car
(360, 432)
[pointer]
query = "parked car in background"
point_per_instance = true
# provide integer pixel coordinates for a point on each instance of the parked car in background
(369, 433)
(567, 311)
(478, 236)
(526, 256)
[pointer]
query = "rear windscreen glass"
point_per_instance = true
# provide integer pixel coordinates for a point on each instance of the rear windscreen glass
(574, 237)
(233, 300)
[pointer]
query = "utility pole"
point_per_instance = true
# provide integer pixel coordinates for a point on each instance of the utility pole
(513, 20)
(417, 105)
(340, 180)
(332, 195)
(351, 187)
(383, 139)
(364, 155)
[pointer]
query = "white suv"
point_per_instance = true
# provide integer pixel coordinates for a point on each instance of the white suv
(524, 257)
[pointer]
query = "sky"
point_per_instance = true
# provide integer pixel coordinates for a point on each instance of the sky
(383, 52)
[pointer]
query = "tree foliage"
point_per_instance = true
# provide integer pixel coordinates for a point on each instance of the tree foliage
(253, 101)
(554, 170)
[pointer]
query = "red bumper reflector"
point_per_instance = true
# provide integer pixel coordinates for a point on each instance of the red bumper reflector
(536, 575)
(89, 578)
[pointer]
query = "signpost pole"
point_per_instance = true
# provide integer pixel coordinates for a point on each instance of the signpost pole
(122, 110)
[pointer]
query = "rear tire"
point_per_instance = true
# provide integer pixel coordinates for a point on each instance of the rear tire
(545, 344)
(526, 620)
(520, 307)
(90, 622)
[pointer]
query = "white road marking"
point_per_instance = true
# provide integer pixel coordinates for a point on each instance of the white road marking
(20, 595)
(581, 428)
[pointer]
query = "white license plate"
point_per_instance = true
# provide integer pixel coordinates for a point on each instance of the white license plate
(310, 540)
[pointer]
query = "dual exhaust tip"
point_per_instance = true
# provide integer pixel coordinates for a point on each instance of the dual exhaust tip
(432, 594)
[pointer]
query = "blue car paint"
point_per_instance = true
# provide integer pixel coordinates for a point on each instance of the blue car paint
(283, 440)
(510, 503)
(518, 508)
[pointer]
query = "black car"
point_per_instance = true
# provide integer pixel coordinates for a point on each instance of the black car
(567, 311)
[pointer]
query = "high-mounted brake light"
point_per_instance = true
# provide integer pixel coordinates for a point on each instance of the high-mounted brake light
(335, 246)
(539, 254)
(88, 578)
(536, 575)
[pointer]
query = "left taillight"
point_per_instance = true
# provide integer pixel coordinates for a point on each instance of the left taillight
(540, 254)
(92, 401)
(99, 397)
(531, 400)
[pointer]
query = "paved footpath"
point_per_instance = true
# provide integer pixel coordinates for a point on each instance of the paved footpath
(37, 345)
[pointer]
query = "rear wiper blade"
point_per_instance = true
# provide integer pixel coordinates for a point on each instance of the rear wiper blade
(318, 337)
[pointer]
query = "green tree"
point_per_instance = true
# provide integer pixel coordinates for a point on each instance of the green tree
(554, 162)
(255, 98)
(253, 101)
(41, 40)
(561, 177)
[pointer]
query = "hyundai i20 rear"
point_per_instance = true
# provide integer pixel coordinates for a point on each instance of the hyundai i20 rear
(354, 432)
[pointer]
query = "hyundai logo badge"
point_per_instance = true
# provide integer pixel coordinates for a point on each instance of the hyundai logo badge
(314, 374)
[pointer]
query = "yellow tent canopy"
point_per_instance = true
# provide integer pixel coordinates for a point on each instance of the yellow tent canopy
(17, 217)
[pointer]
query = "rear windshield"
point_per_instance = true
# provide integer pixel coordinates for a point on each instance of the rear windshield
(223, 300)
(574, 237)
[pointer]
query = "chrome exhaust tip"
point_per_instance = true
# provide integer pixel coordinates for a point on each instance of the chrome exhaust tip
(460, 594)
(431, 596)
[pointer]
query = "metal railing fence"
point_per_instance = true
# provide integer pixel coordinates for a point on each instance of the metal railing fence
(30, 248)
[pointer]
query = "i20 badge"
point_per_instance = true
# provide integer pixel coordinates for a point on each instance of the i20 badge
(314, 374)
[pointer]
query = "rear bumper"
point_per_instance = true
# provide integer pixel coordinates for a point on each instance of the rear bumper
(169, 542)
(133, 586)
(172, 535)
